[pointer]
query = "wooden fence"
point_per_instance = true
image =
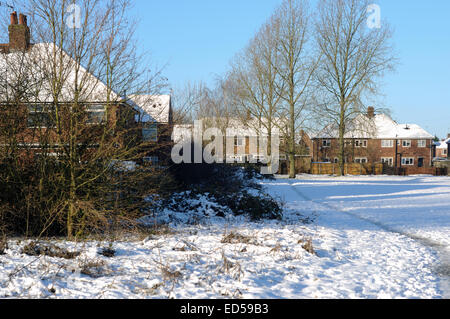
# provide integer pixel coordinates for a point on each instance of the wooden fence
(349, 169)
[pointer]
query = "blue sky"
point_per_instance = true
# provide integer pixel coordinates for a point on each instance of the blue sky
(198, 38)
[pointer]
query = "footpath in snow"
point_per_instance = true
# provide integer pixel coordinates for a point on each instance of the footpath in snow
(374, 237)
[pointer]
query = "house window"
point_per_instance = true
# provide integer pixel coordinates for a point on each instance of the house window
(388, 160)
(406, 143)
(150, 132)
(40, 117)
(96, 114)
(387, 143)
(361, 143)
(444, 152)
(421, 143)
(238, 141)
(408, 161)
(326, 143)
(361, 160)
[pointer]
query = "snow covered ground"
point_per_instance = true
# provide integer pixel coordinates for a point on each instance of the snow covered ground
(374, 237)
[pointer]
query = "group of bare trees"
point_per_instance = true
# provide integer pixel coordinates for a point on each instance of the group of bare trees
(67, 171)
(307, 67)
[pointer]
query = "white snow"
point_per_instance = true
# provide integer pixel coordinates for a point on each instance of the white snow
(152, 108)
(375, 237)
(381, 126)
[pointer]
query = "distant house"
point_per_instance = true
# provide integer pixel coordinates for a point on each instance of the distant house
(442, 148)
(155, 118)
(376, 138)
(150, 117)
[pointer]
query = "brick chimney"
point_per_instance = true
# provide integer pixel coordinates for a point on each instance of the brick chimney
(370, 112)
(19, 33)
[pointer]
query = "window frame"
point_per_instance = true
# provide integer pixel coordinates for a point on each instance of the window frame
(408, 142)
(361, 143)
(389, 162)
(43, 110)
(390, 145)
(150, 127)
(96, 109)
(326, 143)
(421, 143)
(360, 159)
(410, 163)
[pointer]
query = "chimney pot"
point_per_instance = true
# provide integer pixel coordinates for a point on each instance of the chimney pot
(371, 112)
(22, 19)
(14, 17)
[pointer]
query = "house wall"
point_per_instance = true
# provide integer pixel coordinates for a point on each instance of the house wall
(374, 152)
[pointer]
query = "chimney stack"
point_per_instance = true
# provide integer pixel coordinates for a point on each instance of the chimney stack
(14, 17)
(22, 19)
(371, 112)
(19, 33)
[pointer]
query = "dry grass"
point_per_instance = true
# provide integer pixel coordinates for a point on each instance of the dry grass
(3, 246)
(93, 268)
(232, 268)
(50, 250)
(169, 275)
(308, 246)
(236, 238)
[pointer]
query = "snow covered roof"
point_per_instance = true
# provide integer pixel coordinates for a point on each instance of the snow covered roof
(182, 132)
(152, 108)
(381, 126)
(442, 144)
(240, 127)
(35, 67)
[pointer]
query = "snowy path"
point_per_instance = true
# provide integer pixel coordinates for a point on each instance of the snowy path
(410, 208)
(374, 237)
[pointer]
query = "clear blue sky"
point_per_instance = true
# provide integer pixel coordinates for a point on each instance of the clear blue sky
(197, 39)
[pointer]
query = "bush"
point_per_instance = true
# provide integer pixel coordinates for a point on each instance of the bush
(227, 187)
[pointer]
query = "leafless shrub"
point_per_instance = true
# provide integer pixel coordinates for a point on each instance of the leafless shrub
(107, 252)
(3, 246)
(308, 246)
(93, 268)
(232, 268)
(169, 275)
(50, 250)
(236, 238)
(276, 249)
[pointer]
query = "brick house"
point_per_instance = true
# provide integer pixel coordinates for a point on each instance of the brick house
(239, 132)
(22, 60)
(442, 148)
(376, 138)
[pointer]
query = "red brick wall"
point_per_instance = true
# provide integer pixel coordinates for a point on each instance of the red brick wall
(374, 152)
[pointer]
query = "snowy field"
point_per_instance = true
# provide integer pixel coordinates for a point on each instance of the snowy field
(373, 237)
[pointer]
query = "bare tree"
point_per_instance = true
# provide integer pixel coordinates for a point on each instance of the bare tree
(354, 57)
(258, 83)
(296, 68)
(80, 76)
